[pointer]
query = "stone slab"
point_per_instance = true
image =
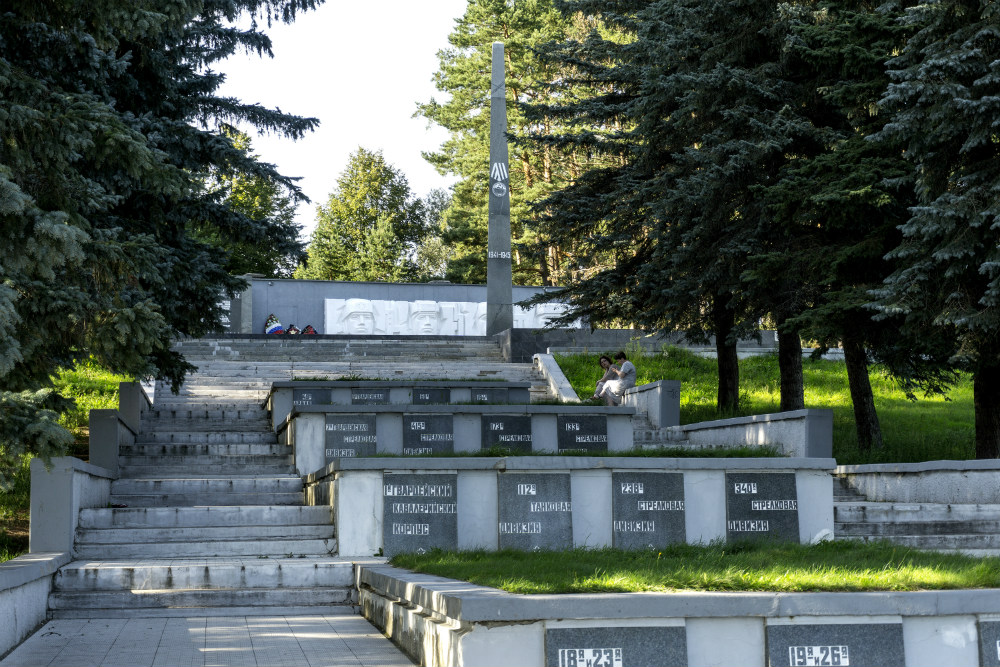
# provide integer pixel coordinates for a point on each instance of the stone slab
(822, 645)
(583, 433)
(370, 396)
(647, 509)
(429, 395)
(490, 395)
(616, 647)
(511, 432)
(419, 512)
(535, 511)
(349, 436)
(761, 505)
(311, 396)
(428, 434)
(989, 643)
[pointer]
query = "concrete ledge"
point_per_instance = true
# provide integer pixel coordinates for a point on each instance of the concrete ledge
(472, 409)
(57, 495)
(25, 584)
(800, 433)
(442, 621)
(556, 379)
(973, 482)
(660, 401)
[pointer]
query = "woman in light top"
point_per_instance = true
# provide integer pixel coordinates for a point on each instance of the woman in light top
(614, 389)
(606, 364)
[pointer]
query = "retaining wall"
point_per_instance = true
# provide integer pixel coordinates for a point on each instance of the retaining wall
(440, 622)
(57, 496)
(25, 583)
(800, 433)
(974, 482)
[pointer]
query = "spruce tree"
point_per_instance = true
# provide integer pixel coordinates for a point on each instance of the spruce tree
(108, 117)
(944, 92)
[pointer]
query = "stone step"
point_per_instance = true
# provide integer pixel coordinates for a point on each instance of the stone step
(936, 542)
(190, 500)
(843, 492)
(181, 598)
(200, 463)
(207, 437)
(213, 548)
(232, 414)
(210, 450)
(234, 424)
(167, 536)
(205, 574)
(198, 466)
(166, 517)
(868, 512)
(888, 530)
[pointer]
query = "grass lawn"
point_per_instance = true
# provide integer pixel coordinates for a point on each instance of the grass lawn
(93, 388)
(830, 566)
(932, 428)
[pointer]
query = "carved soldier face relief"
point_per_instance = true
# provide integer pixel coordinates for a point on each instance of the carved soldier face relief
(359, 317)
(425, 318)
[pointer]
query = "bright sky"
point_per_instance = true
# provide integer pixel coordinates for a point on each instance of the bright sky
(360, 68)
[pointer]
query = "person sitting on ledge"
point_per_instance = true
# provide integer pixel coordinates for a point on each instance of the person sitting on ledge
(613, 390)
(606, 364)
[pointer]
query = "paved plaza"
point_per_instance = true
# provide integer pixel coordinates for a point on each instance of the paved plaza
(334, 640)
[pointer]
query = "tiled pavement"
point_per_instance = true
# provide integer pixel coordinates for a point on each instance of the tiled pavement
(334, 640)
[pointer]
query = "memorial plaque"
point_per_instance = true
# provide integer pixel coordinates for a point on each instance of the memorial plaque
(490, 395)
(849, 645)
(349, 436)
(370, 396)
(535, 511)
(428, 395)
(510, 432)
(647, 509)
(989, 643)
(587, 433)
(317, 396)
(428, 434)
(761, 505)
(643, 646)
(419, 512)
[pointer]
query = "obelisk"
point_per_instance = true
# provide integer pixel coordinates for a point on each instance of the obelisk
(499, 278)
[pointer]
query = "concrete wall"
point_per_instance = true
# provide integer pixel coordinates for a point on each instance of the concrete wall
(25, 583)
(440, 622)
(58, 495)
(928, 482)
(354, 488)
(556, 380)
(800, 433)
(660, 401)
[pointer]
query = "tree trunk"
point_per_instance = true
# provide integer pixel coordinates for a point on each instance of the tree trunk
(728, 363)
(986, 398)
(790, 370)
(865, 418)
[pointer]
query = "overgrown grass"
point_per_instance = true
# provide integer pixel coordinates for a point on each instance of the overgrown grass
(92, 388)
(751, 566)
(930, 428)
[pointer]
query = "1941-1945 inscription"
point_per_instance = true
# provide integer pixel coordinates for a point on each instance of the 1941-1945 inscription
(761, 505)
(419, 512)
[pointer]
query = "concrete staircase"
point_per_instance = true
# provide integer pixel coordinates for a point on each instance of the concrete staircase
(966, 528)
(206, 519)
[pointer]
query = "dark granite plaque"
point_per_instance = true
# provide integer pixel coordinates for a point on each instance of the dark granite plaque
(317, 396)
(376, 396)
(647, 509)
(535, 511)
(419, 512)
(647, 646)
(349, 436)
(761, 505)
(510, 432)
(428, 395)
(856, 645)
(428, 434)
(587, 433)
(490, 395)
(989, 643)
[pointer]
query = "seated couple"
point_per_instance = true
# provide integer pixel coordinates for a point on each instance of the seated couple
(611, 387)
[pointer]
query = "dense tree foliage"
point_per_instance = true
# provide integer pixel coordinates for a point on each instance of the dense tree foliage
(108, 117)
(370, 227)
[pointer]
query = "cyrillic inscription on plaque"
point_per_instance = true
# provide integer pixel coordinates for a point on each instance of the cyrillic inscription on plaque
(490, 395)
(509, 432)
(429, 395)
(370, 396)
(761, 505)
(419, 512)
(647, 509)
(317, 396)
(630, 646)
(349, 436)
(989, 643)
(428, 434)
(535, 511)
(835, 645)
(586, 433)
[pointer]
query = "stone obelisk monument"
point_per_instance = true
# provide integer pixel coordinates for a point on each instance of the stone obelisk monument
(499, 279)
